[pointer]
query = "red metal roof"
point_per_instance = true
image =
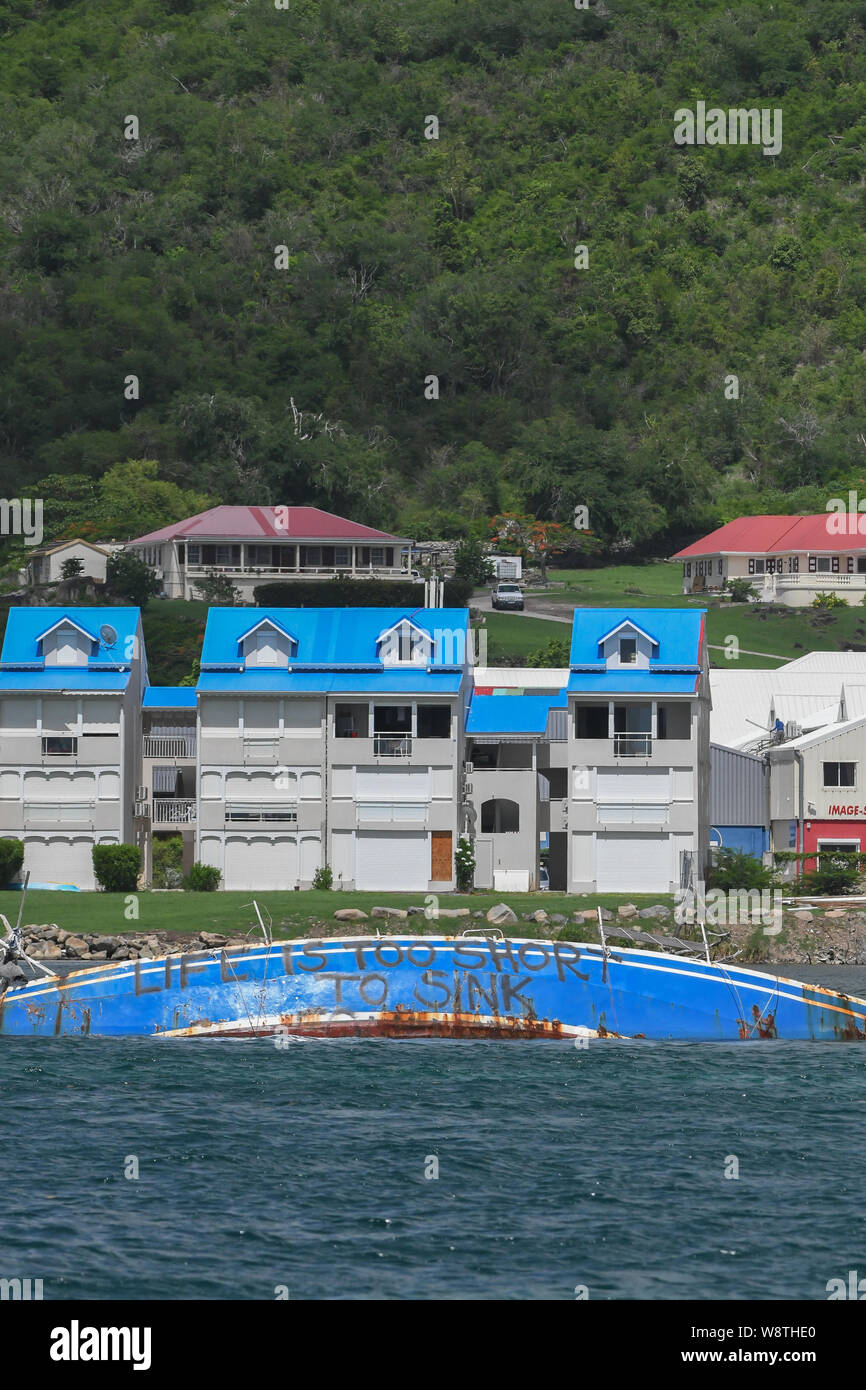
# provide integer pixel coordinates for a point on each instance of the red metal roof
(767, 535)
(266, 524)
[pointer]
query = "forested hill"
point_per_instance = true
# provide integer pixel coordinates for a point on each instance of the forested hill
(408, 257)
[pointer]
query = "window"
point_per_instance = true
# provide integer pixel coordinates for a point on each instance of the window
(392, 719)
(484, 755)
(591, 721)
(341, 556)
(688, 569)
(500, 817)
(377, 555)
(59, 743)
(823, 564)
(627, 651)
(840, 774)
(193, 555)
(721, 567)
(759, 567)
(434, 721)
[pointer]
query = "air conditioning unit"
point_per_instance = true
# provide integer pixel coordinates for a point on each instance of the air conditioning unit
(142, 808)
(792, 729)
(469, 768)
(467, 788)
(141, 793)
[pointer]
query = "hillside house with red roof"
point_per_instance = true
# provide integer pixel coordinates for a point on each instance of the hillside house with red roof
(788, 559)
(257, 545)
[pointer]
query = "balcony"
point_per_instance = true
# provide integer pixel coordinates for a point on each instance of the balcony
(261, 750)
(169, 810)
(257, 813)
(58, 813)
(155, 746)
(392, 745)
(632, 745)
(391, 812)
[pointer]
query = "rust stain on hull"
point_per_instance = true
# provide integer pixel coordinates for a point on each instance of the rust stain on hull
(761, 1026)
(399, 1023)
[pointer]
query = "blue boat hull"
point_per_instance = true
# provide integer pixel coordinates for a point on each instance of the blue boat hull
(430, 986)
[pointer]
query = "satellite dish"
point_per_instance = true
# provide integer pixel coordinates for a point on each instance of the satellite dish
(108, 634)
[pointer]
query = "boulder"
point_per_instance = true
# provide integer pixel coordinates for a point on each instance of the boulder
(626, 910)
(558, 918)
(212, 938)
(121, 953)
(398, 913)
(657, 912)
(415, 910)
(48, 950)
(75, 946)
(453, 912)
(500, 913)
(836, 912)
(540, 916)
(350, 914)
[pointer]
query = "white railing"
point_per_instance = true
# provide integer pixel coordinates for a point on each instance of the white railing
(286, 571)
(815, 580)
(392, 745)
(391, 811)
(156, 746)
(58, 812)
(620, 813)
(632, 745)
(169, 810)
(258, 812)
(261, 750)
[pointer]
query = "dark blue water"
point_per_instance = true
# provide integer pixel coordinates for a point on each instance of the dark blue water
(558, 1166)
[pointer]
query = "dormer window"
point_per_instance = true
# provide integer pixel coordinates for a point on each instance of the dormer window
(405, 645)
(268, 644)
(627, 651)
(627, 644)
(66, 644)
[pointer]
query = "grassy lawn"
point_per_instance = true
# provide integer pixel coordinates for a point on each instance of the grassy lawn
(511, 638)
(294, 914)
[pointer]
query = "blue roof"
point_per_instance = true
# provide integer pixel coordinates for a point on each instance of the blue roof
(632, 683)
(21, 648)
(512, 714)
(287, 682)
(63, 678)
(336, 639)
(674, 666)
(169, 697)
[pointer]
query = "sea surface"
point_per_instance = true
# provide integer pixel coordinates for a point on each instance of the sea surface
(382, 1169)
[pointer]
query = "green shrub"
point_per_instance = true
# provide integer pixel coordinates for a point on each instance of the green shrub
(740, 590)
(355, 593)
(836, 876)
(736, 869)
(831, 600)
(167, 861)
(464, 861)
(117, 867)
(202, 878)
(323, 878)
(11, 859)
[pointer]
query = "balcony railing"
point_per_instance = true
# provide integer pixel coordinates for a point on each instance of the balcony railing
(817, 579)
(632, 745)
(155, 746)
(251, 812)
(391, 811)
(170, 810)
(261, 750)
(58, 812)
(392, 745)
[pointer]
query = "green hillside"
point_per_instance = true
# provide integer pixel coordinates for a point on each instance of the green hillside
(256, 128)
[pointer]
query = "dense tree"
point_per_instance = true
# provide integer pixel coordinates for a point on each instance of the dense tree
(429, 349)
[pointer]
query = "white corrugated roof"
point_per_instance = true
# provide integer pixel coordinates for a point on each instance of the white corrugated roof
(524, 677)
(744, 701)
(839, 663)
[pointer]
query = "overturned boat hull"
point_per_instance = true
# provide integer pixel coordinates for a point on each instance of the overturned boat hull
(429, 986)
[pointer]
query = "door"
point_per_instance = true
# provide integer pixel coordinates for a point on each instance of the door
(392, 860)
(260, 861)
(441, 867)
(633, 864)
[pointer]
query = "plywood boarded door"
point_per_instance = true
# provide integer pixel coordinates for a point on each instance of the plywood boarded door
(441, 870)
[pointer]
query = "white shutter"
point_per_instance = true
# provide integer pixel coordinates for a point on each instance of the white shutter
(637, 784)
(260, 862)
(392, 860)
(55, 859)
(392, 784)
(633, 864)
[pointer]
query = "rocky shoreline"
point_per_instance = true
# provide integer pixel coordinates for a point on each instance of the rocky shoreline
(806, 936)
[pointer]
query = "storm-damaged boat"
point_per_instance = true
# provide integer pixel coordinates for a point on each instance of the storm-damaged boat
(479, 984)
